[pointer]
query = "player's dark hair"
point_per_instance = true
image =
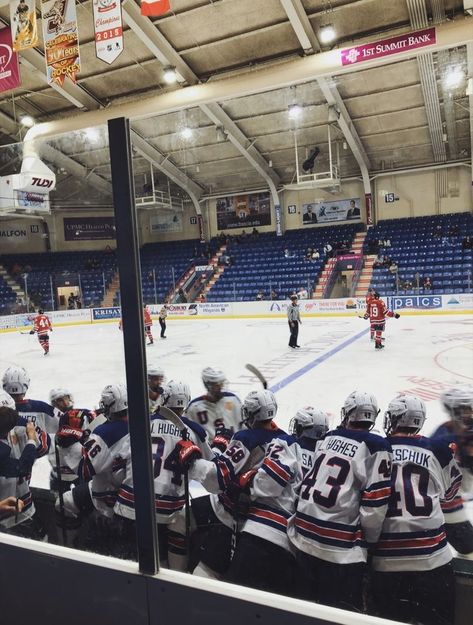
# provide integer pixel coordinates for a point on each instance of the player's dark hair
(8, 420)
(40, 311)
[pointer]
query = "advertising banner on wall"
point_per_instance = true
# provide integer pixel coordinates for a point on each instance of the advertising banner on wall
(108, 29)
(61, 40)
(244, 211)
(88, 228)
(386, 47)
(24, 27)
(331, 210)
(165, 222)
(20, 234)
(9, 68)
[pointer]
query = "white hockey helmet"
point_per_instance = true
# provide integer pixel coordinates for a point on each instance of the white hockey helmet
(404, 411)
(309, 422)
(212, 376)
(458, 402)
(154, 371)
(360, 407)
(258, 406)
(6, 400)
(113, 399)
(176, 394)
(60, 393)
(16, 380)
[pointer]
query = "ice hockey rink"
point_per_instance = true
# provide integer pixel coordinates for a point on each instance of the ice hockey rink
(423, 355)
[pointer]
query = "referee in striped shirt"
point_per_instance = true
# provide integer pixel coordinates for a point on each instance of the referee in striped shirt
(294, 319)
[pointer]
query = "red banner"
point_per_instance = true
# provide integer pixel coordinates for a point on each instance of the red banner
(155, 8)
(9, 68)
(369, 209)
(386, 47)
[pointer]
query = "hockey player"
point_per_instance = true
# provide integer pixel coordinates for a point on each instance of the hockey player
(100, 461)
(414, 579)
(458, 433)
(148, 322)
(217, 408)
(168, 480)
(309, 425)
(368, 299)
(21, 443)
(41, 326)
(155, 386)
(341, 507)
(16, 382)
(376, 312)
(74, 424)
(231, 473)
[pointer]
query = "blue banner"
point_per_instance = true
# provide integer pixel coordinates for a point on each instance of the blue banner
(396, 302)
(113, 312)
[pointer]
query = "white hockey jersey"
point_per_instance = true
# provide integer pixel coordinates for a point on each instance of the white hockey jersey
(40, 413)
(102, 460)
(413, 536)
(308, 450)
(343, 500)
(210, 415)
(272, 494)
(74, 451)
(168, 479)
(20, 486)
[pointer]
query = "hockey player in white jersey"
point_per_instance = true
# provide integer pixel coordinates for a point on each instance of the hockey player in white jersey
(341, 507)
(100, 463)
(21, 442)
(216, 409)
(309, 425)
(74, 424)
(229, 474)
(155, 386)
(458, 433)
(16, 382)
(168, 480)
(414, 579)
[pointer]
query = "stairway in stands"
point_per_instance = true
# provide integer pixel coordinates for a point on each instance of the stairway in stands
(13, 284)
(324, 277)
(112, 290)
(219, 269)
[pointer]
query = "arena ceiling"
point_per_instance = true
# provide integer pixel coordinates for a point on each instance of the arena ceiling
(400, 115)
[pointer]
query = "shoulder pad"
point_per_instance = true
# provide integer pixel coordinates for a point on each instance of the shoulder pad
(35, 405)
(196, 428)
(111, 432)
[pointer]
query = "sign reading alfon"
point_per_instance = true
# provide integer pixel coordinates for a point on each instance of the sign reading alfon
(244, 211)
(89, 228)
(61, 40)
(331, 210)
(386, 47)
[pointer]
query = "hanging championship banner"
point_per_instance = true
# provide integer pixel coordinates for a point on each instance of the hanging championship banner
(155, 8)
(61, 40)
(9, 68)
(24, 28)
(108, 29)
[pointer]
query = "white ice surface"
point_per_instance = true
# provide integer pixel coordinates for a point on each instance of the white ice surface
(422, 354)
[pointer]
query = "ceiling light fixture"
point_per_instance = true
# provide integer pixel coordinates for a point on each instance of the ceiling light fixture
(454, 77)
(327, 33)
(294, 111)
(27, 121)
(186, 132)
(92, 134)
(170, 75)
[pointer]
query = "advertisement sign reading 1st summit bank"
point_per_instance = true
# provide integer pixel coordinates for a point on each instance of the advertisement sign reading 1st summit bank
(244, 211)
(331, 210)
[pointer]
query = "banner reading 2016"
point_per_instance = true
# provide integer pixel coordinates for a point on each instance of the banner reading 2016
(61, 40)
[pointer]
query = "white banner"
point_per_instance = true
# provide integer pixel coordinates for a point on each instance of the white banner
(24, 28)
(108, 29)
(61, 40)
(165, 222)
(331, 210)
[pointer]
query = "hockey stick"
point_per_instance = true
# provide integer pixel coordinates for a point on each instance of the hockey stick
(170, 415)
(29, 332)
(61, 494)
(256, 372)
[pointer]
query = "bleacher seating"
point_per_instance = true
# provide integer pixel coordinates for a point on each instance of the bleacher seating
(7, 297)
(424, 246)
(258, 262)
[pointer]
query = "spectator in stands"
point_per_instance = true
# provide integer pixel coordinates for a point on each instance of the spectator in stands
(302, 293)
(381, 242)
(387, 243)
(78, 302)
(273, 295)
(260, 295)
(224, 260)
(308, 254)
(406, 285)
(393, 267)
(387, 262)
(427, 284)
(315, 255)
(254, 233)
(71, 301)
(378, 261)
(328, 250)
(467, 243)
(288, 253)
(181, 297)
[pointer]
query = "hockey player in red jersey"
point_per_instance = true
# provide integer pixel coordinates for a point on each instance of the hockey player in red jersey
(369, 298)
(42, 325)
(148, 323)
(376, 312)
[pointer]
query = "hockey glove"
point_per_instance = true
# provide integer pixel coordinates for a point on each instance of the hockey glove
(68, 435)
(31, 331)
(222, 437)
(397, 315)
(246, 480)
(188, 452)
(366, 316)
